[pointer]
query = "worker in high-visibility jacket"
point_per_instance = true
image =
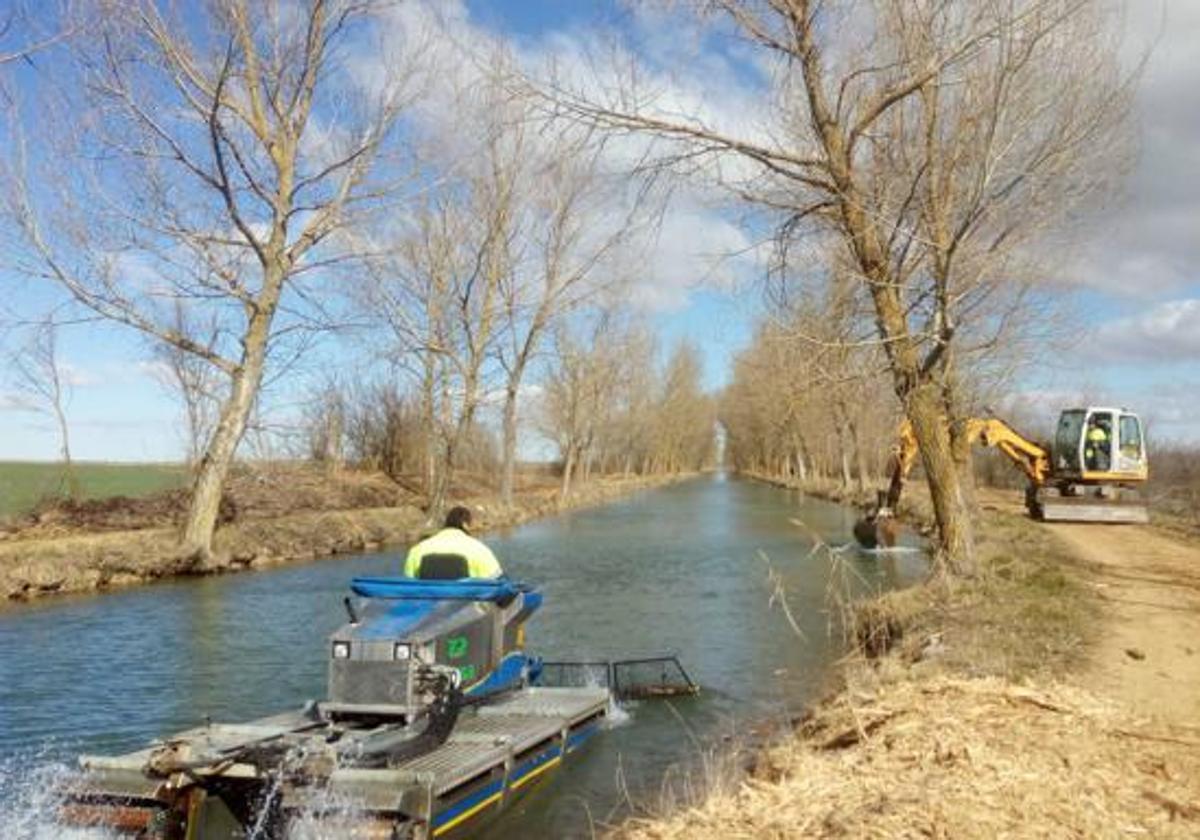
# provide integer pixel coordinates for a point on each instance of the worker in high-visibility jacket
(452, 553)
(1096, 453)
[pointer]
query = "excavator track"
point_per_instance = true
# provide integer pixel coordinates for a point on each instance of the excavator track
(1051, 507)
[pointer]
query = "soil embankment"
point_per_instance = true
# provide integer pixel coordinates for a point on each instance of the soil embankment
(1055, 696)
(269, 519)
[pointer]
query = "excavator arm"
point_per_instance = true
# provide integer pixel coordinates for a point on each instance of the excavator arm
(1050, 497)
(1031, 458)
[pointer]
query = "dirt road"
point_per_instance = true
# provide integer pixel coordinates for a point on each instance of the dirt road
(1148, 653)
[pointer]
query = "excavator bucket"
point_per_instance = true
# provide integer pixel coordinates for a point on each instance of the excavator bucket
(1051, 507)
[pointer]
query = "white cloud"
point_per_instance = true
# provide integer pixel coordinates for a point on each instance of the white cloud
(695, 247)
(1167, 332)
(75, 376)
(17, 402)
(1148, 246)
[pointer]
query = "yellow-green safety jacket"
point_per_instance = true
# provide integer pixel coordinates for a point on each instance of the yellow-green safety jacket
(481, 563)
(1095, 442)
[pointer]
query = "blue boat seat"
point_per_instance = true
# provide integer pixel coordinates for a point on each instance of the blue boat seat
(499, 590)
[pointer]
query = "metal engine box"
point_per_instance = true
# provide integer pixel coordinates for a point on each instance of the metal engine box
(376, 664)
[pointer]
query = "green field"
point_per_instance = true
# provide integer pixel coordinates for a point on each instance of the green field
(23, 484)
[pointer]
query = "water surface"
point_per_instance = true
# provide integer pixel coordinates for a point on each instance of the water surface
(684, 568)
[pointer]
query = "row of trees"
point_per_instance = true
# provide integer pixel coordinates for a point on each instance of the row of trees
(237, 183)
(602, 398)
(609, 407)
(805, 403)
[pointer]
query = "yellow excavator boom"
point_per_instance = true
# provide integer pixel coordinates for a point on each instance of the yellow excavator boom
(1050, 496)
(1031, 458)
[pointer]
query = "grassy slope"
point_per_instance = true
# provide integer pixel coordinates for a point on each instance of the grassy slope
(22, 484)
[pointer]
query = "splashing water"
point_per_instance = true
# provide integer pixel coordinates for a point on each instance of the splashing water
(30, 796)
(895, 549)
(325, 814)
(618, 715)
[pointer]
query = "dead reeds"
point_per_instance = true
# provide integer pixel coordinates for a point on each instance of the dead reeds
(952, 757)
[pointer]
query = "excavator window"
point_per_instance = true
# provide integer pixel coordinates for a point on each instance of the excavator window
(1131, 436)
(1067, 441)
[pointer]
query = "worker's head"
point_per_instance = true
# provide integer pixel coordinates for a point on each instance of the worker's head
(459, 517)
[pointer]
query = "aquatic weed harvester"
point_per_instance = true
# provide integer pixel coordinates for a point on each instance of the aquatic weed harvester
(436, 717)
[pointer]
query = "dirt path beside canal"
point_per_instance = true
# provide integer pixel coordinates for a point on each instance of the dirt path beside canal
(1148, 652)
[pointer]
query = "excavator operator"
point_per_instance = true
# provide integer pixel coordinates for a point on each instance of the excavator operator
(1097, 452)
(452, 553)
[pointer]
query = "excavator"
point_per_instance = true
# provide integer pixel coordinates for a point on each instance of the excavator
(1092, 473)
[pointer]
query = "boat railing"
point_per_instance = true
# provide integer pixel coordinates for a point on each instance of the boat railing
(637, 678)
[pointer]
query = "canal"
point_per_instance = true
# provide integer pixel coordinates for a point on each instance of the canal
(687, 568)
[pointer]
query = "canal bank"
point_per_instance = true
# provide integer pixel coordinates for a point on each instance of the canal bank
(973, 709)
(82, 561)
(693, 568)
(915, 508)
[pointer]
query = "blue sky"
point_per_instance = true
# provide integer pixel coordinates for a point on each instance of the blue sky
(1135, 278)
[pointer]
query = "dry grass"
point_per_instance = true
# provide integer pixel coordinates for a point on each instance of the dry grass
(1029, 613)
(956, 757)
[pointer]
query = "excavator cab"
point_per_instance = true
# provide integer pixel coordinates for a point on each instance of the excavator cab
(1100, 446)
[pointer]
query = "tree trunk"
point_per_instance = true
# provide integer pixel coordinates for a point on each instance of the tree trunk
(964, 463)
(509, 467)
(429, 421)
(568, 467)
(958, 411)
(213, 469)
(843, 452)
(945, 490)
(335, 455)
(860, 457)
(438, 492)
(214, 465)
(65, 438)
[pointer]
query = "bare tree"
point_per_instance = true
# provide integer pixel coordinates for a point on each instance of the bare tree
(684, 418)
(192, 381)
(38, 372)
(221, 155)
(808, 397)
(609, 405)
(326, 425)
(575, 226)
(579, 391)
(914, 136)
(439, 295)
